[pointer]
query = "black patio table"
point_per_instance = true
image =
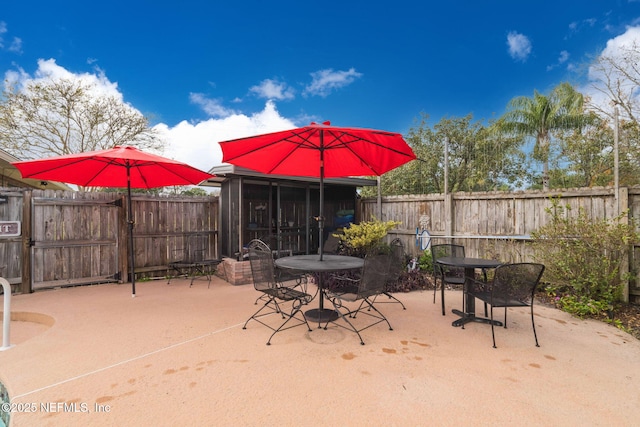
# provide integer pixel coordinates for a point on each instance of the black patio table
(469, 265)
(313, 264)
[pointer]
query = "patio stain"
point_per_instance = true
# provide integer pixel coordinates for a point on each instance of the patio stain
(109, 398)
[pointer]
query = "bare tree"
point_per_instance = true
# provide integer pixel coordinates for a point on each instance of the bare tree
(617, 77)
(62, 116)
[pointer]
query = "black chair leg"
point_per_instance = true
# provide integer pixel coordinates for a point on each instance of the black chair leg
(493, 334)
(484, 274)
(505, 317)
(395, 299)
(435, 288)
(533, 323)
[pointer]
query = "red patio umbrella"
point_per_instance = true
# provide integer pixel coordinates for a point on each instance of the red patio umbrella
(120, 166)
(320, 150)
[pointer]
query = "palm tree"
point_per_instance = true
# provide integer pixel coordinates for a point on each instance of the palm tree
(540, 116)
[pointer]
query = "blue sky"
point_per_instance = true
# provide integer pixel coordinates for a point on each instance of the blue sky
(210, 71)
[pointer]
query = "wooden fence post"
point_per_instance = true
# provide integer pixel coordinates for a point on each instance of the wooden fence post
(123, 240)
(449, 214)
(25, 285)
(623, 205)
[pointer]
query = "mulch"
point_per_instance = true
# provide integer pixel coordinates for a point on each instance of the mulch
(627, 314)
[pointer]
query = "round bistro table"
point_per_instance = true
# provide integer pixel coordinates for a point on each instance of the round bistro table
(313, 264)
(469, 265)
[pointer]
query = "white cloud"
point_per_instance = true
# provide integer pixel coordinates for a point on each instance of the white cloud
(213, 107)
(48, 69)
(325, 81)
(273, 89)
(630, 36)
(197, 144)
(615, 47)
(14, 46)
(564, 57)
(193, 143)
(3, 31)
(519, 46)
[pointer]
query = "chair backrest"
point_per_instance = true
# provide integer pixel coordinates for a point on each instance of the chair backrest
(331, 245)
(517, 281)
(197, 247)
(194, 249)
(443, 250)
(374, 275)
(398, 260)
(262, 266)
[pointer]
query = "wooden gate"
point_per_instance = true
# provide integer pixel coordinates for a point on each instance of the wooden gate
(74, 242)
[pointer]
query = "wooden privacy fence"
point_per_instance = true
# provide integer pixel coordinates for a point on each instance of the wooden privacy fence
(72, 238)
(498, 224)
(69, 238)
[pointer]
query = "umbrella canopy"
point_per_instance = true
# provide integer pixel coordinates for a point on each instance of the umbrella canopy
(300, 152)
(320, 150)
(120, 166)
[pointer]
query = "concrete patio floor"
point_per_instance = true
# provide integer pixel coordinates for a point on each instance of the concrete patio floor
(177, 355)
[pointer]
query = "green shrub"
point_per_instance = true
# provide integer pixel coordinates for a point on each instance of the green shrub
(425, 262)
(583, 258)
(366, 237)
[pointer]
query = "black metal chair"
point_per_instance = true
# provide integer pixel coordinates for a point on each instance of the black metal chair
(513, 285)
(370, 284)
(274, 291)
(193, 260)
(446, 275)
(284, 275)
(396, 267)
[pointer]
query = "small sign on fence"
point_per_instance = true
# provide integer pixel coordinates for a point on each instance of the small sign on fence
(9, 228)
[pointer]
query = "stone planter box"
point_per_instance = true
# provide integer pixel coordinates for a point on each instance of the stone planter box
(235, 272)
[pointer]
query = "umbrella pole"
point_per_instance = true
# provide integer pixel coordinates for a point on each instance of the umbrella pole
(321, 217)
(321, 226)
(132, 258)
